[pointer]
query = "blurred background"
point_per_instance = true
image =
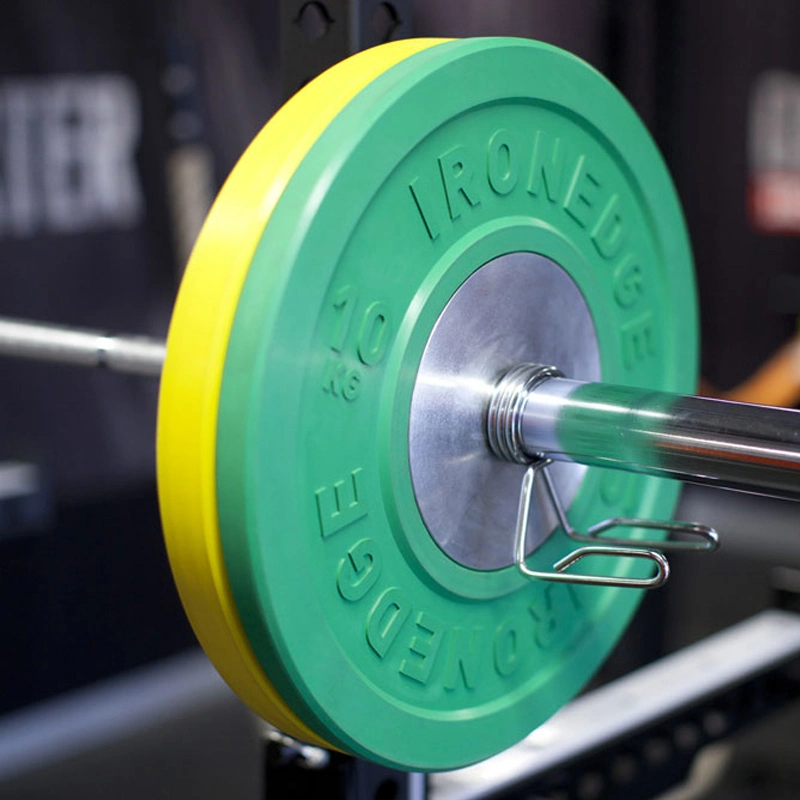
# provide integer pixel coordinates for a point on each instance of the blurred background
(118, 123)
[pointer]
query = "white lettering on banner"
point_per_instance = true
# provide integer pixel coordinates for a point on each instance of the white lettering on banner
(68, 154)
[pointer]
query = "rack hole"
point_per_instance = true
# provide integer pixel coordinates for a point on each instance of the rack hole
(385, 21)
(687, 736)
(591, 786)
(657, 751)
(624, 769)
(715, 723)
(314, 21)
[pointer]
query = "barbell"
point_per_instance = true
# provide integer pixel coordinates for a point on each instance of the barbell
(425, 375)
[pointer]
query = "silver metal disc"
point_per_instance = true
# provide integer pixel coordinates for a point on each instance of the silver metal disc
(518, 308)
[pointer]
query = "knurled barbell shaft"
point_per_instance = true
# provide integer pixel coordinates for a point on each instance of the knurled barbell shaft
(140, 355)
(730, 445)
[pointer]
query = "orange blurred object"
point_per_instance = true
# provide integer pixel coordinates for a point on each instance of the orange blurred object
(774, 383)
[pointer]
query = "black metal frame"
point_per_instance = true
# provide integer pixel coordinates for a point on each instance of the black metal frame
(288, 775)
(639, 762)
(659, 757)
(316, 35)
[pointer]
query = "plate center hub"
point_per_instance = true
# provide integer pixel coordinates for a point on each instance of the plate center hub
(517, 308)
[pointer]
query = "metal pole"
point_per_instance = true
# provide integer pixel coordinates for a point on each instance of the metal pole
(140, 355)
(535, 410)
(731, 445)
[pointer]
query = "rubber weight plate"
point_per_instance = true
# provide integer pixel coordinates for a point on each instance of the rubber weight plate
(192, 373)
(375, 638)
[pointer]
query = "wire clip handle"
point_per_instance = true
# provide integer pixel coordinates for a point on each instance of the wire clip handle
(615, 547)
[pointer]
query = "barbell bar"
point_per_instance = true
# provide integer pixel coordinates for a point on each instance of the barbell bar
(536, 412)
(137, 355)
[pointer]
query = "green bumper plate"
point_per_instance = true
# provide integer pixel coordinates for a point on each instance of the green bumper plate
(468, 151)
